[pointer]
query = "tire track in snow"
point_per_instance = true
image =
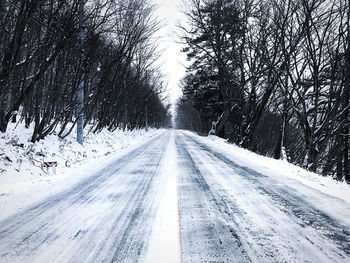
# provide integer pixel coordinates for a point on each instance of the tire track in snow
(307, 217)
(205, 236)
(78, 192)
(47, 231)
(179, 220)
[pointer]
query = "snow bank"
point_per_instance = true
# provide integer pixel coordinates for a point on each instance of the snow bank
(24, 182)
(280, 170)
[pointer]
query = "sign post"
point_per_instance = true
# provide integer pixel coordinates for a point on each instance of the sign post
(48, 165)
(213, 128)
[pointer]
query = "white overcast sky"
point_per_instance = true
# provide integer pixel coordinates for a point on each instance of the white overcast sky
(172, 60)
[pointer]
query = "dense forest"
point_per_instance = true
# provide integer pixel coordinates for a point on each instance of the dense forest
(51, 49)
(271, 76)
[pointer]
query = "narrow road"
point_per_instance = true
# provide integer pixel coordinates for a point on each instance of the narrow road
(175, 197)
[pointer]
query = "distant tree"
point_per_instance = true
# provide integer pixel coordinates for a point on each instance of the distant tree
(273, 69)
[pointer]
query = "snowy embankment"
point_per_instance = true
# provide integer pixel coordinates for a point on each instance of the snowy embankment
(24, 181)
(331, 195)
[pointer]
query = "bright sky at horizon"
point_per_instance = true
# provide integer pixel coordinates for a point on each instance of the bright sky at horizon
(172, 60)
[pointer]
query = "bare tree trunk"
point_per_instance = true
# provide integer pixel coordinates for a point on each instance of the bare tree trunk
(80, 91)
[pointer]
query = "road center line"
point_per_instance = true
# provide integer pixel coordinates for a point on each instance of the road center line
(165, 240)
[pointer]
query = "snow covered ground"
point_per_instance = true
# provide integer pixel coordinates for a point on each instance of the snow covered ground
(303, 182)
(24, 182)
(171, 196)
(237, 206)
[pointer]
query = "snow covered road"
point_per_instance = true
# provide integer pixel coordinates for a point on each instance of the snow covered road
(106, 218)
(175, 199)
(234, 214)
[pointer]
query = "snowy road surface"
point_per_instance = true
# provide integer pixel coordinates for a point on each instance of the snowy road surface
(174, 199)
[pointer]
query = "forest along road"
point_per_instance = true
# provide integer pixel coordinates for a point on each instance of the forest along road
(174, 199)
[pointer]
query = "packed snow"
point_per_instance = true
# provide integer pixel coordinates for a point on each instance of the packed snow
(164, 196)
(24, 181)
(336, 195)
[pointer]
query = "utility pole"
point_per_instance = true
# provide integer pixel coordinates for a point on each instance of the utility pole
(80, 91)
(146, 114)
(283, 150)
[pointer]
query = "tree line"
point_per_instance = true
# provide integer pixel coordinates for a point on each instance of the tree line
(274, 77)
(42, 63)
